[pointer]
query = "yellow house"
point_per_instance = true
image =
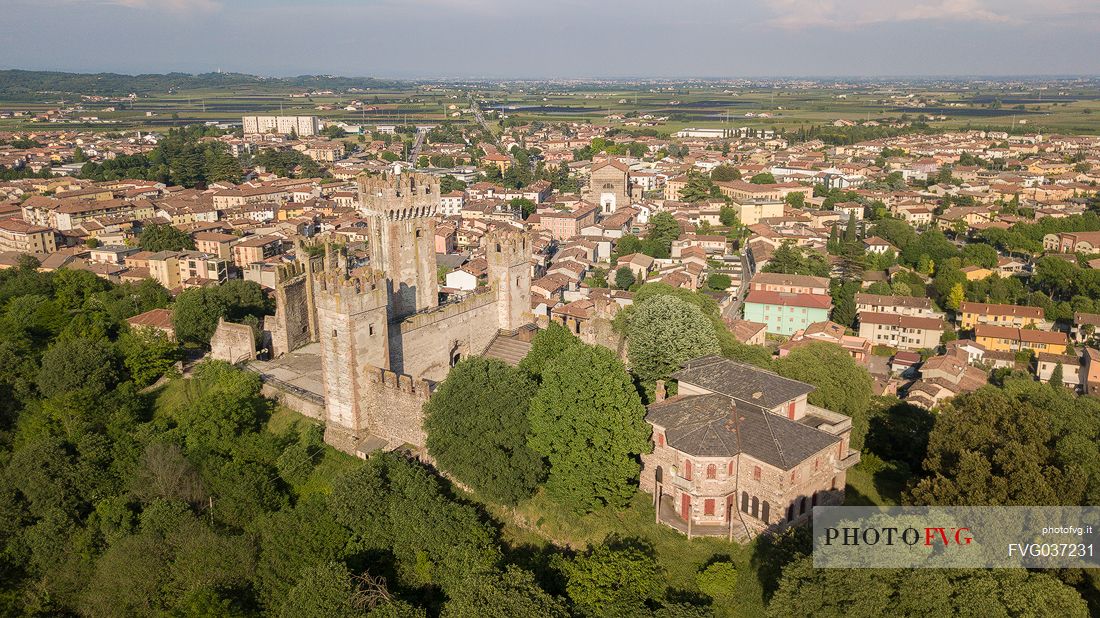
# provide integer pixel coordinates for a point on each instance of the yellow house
(1009, 339)
(973, 314)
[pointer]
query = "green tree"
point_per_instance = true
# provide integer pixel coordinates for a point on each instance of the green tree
(524, 206)
(727, 216)
(844, 302)
(763, 178)
(718, 282)
(147, 355)
(197, 310)
(547, 345)
(512, 593)
(724, 173)
(597, 278)
(322, 591)
(395, 505)
(663, 229)
(664, 333)
(164, 237)
(806, 591)
(1056, 376)
(796, 199)
(790, 259)
(1023, 444)
(477, 429)
(697, 188)
(78, 364)
(614, 578)
(624, 278)
(955, 297)
(589, 422)
(719, 581)
(840, 384)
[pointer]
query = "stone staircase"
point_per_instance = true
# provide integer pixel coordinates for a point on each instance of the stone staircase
(509, 349)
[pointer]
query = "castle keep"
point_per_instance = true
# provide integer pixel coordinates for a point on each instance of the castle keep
(379, 332)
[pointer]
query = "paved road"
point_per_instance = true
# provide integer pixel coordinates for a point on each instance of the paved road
(733, 309)
(417, 145)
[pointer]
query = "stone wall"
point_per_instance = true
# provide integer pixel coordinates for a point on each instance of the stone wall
(394, 406)
(233, 343)
(818, 475)
(295, 321)
(424, 345)
(301, 405)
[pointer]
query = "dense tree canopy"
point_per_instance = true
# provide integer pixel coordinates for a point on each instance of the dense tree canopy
(164, 237)
(588, 421)
(664, 333)
(197, 310)
(477, 426)
(790, 259)
(869, 593)
(1025, 444)
(841, 385)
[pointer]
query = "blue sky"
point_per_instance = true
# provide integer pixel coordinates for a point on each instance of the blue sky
(556, 38)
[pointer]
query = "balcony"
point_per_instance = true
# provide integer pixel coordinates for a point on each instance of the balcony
(828, 421)
(851, 459)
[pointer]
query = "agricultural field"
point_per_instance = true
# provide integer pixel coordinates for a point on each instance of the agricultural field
(1062, 106)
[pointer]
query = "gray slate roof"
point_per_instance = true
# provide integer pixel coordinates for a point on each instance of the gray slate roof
(717, 426)
(741, 381)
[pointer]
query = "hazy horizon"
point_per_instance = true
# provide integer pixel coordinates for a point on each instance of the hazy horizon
(559, 39)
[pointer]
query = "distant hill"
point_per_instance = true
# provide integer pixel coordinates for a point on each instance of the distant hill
(19, 84)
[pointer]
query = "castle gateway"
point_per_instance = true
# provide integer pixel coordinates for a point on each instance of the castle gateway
(379, 334)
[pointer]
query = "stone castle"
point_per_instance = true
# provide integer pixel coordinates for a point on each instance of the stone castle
(382, 336)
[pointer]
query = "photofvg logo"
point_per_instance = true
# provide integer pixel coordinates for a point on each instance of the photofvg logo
(956, 537)
(930, 535)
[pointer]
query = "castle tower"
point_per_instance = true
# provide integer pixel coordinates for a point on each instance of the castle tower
(295, 321)
(352, 324)
(508, 253)
(400, 210)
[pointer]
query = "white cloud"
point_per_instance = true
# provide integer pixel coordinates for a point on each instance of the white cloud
(174, 6)
(843, 14)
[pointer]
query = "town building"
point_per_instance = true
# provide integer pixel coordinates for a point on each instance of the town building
(1018, 316)
(303, 126)
(1013, 339)
(787, 303)
(739, 451)
(904, 332)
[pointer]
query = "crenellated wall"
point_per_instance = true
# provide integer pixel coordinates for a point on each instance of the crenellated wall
(400, 209)
(295, 321)
(428, 343)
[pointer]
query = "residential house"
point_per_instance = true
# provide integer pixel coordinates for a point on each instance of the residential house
(1018, 316)
(787, 303)
(739, 451)
(1013, 339)
(903, 332)
(919, 306)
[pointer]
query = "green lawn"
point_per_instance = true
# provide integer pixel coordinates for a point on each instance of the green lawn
(539, 523)
(873, 483)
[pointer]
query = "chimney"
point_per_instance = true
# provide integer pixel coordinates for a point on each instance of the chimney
(660, 392)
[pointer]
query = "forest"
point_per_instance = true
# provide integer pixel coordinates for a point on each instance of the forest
(128, 489)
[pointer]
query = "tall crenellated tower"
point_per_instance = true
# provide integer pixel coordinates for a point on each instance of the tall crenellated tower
(352, 324)
(508, 253)
(401, 209)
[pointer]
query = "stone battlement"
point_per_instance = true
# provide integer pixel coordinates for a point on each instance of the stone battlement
(357, 291)
(399, 382)
(505, 244)
(399, 196)
(447, 311)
